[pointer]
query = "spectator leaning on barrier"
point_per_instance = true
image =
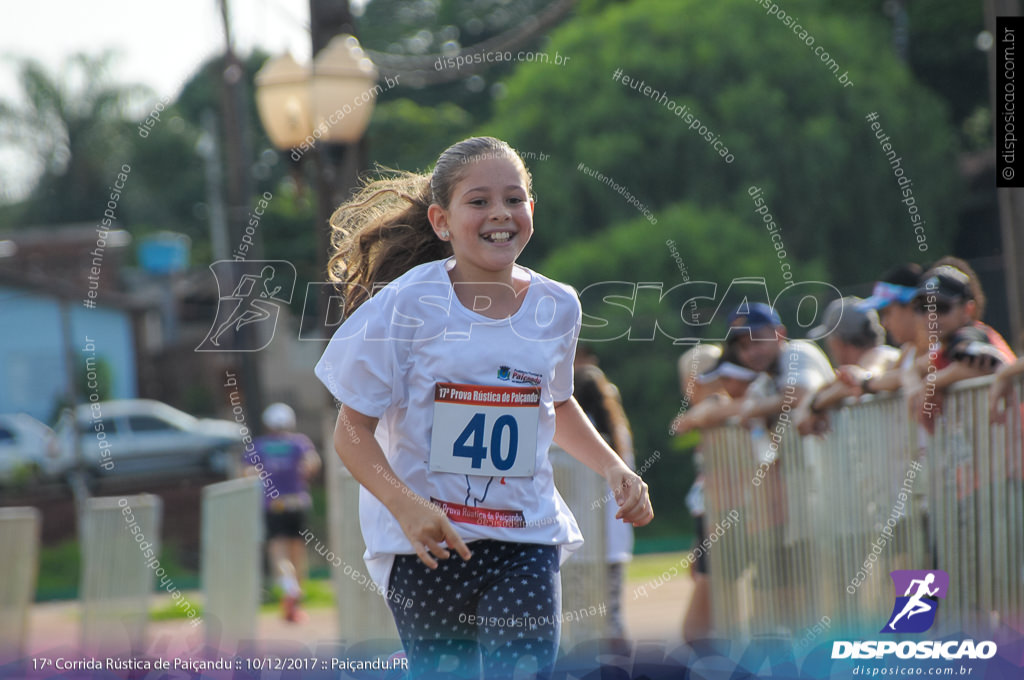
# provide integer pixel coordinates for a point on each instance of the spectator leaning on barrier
(854, 340)
(712, 385)
(1001, 395)
(950, 302)
(793, 369)
(893, 299)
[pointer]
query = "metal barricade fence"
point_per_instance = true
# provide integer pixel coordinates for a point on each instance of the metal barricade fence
(19, 565)
(117, 578)
(978, 510)
(824, 520)
(231, 564)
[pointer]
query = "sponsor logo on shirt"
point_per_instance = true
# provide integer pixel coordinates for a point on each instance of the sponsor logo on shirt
(517, 376)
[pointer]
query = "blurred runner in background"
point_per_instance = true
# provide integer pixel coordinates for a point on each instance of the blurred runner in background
(285, 460)
(600, 400)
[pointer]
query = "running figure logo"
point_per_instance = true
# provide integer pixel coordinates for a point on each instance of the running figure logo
(914, 610)
(250, 295)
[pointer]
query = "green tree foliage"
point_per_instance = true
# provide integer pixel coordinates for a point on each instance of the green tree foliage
(165, 190)
(168, 188)
(408, 136)
(428, 26)
(73, 124)
(102, 376)
(100, 373)
(287, 230)
(942, 49)
(434, 27)
(793, 129)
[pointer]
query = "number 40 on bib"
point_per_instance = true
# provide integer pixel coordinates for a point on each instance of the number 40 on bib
(485, 430)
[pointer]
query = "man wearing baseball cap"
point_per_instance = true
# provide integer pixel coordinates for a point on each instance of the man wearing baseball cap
(893, 299)
(949, 303)
(792, 369)
(855, 341)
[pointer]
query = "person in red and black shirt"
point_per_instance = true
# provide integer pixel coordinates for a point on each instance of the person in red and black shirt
(949, 303)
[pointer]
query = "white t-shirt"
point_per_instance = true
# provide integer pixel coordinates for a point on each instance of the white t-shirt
(386, 360)
(803, 364)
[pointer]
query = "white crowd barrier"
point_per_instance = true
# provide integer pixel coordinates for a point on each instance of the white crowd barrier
(976, 506)
(19, 566)
(363, 612)
(585, 573)
(824, 520)
(231, 560)
(116, 581)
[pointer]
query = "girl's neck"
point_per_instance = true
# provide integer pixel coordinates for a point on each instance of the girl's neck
(493, 294)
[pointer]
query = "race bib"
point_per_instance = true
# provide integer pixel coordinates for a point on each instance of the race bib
(483, 430)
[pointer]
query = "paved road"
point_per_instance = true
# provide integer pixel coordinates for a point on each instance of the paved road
(54, 627)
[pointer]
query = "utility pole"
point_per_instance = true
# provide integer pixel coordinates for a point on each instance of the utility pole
(79, 488)
(337, 165)
(209, 149)
(239, 199)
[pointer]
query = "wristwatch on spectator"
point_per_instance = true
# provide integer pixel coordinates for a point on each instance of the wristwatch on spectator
(865, 384)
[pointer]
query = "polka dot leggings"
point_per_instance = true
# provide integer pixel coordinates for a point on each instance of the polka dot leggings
(482, 617)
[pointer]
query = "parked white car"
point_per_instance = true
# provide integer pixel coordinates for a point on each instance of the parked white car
(142, 436)
(28, 449)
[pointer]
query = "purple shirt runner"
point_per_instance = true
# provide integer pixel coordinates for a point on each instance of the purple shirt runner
(281, 456)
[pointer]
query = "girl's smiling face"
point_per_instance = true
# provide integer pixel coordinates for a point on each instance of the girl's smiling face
(489, 219)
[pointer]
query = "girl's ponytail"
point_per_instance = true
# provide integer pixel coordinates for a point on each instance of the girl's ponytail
(382, 233)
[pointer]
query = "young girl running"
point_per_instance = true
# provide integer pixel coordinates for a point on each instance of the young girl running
(454, 378)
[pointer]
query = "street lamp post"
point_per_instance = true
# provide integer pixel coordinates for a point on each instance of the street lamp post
(322, 111)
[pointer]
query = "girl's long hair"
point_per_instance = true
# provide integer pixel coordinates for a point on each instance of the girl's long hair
(384, 231)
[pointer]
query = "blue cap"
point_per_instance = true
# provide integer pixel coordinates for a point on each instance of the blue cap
(754, 315)
(885, 293)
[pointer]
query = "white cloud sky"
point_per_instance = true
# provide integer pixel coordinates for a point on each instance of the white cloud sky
(161, 44)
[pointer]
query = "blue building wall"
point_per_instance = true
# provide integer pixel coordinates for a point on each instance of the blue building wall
(33, 370)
